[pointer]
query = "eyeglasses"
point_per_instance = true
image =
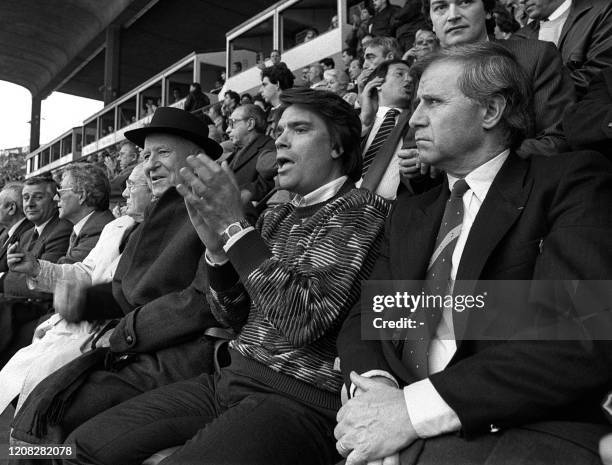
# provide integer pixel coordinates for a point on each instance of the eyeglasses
(132, 187)
(231, 122)
(60, 192)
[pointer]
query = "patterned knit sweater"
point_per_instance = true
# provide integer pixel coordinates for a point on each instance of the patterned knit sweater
(295, 278)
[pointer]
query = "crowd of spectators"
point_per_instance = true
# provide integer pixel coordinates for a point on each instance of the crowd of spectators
(454, 144)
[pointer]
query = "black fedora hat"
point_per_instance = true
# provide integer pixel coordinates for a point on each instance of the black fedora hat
(170, 120)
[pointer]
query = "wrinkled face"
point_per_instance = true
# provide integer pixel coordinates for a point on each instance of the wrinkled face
(38, 203)
(268, 90)
(334, 85)
(354, 69)
(304, 153)
(458, 21)
(164, 155)
(398, 88)
(7, 209)
(275, 57)
(137, 193)
(374, 56)
(425, 42)
(127, 155)
(238, 127)
(541, 9)
(69, 199)
(448, 124)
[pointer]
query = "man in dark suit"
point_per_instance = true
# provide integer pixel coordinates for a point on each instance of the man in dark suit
(157, 293)
(458, 22)
(83, 200)
(254, 160)
(581, 29)
(523, 395)
(588, 123)
(48, 240)
(385, 110)
(13, 220)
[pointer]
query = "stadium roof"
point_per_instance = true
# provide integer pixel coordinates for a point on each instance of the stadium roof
(60, 44)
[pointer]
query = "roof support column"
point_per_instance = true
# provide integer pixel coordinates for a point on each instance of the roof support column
(111, 63)
(35, 123)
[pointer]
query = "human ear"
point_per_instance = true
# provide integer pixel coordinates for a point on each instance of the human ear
(493, 111)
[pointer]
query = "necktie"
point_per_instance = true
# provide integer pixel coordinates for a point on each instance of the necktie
(381, 136)
(73, 239)
(437, 278)
(33, 240)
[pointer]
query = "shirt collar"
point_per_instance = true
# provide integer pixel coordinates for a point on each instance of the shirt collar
(563, 8)
(41, 228)
(481, 178)
(382, 111)
(321, 194)
(13, 228)
(79, 225)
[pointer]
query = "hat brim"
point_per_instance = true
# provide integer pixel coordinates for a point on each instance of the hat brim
(138, 136)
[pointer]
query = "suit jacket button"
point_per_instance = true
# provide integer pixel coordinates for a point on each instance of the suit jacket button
(493, 429)
(129, 339)
(610, 125)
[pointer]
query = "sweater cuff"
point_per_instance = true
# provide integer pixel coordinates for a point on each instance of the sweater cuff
(222, 277)
(248, 253)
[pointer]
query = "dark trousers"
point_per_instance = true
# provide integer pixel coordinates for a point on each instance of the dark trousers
(226, 418)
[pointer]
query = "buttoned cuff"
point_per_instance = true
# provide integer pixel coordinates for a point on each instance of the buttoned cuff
(372, 374)
(429, 413)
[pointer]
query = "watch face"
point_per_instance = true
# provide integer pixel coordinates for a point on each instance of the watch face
(234, 229)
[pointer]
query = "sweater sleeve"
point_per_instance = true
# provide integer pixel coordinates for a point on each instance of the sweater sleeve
(304, 295)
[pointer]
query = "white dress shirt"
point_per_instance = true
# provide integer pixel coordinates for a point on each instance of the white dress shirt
(429, 414)
(79, 225)
(387, 187)
(550, 30)
(12, 229)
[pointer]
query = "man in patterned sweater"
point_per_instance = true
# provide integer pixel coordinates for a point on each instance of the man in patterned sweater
(293, 278)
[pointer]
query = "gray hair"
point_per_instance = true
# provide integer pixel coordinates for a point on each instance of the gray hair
(91, 180)
(489, 70)
(11, 192)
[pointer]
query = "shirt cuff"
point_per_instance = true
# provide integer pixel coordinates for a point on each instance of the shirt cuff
(372, 374)
(429, 413)
(213, 263)
(236, 237)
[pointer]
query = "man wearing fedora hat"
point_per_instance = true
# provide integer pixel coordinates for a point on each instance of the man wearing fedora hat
(157, 293)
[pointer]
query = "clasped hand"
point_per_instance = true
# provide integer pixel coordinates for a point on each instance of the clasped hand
(374, 426)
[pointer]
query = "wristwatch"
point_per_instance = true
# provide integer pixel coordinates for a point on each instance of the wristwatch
(234, 229)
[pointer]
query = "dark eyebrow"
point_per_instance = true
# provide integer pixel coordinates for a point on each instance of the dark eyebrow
(293, 124)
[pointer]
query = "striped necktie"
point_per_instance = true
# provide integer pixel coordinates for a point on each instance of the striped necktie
(381, 136)
(438, 278)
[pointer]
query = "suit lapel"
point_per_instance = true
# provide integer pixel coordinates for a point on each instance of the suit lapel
(576, 11)
(501, 208)
(243, 156)
(385, 154)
